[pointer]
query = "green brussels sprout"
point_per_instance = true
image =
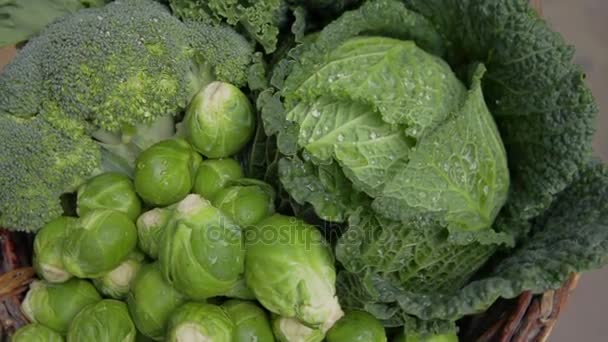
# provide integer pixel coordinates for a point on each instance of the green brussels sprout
(247, 203)
(36, 333)
(117, 283)
(240, 290)
(55, 305)
(48, 250)
(214, 174)
(219, 120)
(151, 301)
(200, 322)
(357, 326)
(432, 338)
(251, 322)
(202, 252)
(110, 190)
(150, 227)
(164, 173)
(291, 330)
(290, 269)
(99, 241)
(105, 321)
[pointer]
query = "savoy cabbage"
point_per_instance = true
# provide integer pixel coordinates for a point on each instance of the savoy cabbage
(438, 135)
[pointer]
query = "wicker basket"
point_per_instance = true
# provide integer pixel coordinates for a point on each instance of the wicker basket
(526, 318)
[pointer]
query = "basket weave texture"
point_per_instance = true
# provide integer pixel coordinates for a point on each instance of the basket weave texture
(526, 318)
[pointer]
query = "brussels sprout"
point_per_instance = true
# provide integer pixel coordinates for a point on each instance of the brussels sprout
(290, 269)
(214, 174)
(150, 226)
(251, 322)
(164, 173)
(201, 253)
(55, 305)
(151, 301)
(247, 203)
(99, 241)
(104, 321)
(291, 330)
(219, 120)
(116, 283)
(240, 290)
(200, 322)
(142, 338)
(110, 190)
(48, 249)
(432, 338)
(357, 326)
(36, 333)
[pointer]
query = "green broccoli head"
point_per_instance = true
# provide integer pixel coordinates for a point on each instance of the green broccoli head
(85, 82)
(123, 64)
(38, 163)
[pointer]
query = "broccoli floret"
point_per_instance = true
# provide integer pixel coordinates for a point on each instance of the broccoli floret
(39, 163)
(80, 97)
(126, 63)
(21, 85)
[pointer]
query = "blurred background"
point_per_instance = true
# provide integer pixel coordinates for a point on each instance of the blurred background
(583, 23)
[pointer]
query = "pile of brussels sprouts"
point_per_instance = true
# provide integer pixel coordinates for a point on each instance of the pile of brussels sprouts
(189, 250)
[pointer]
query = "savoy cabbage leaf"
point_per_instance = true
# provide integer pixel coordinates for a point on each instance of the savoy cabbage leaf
(260, 19)
(423, 90)
(459, 169)
(324, 187)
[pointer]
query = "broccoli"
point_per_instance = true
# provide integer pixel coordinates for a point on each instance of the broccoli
(126, 63)
(38, 163)
(80, 97)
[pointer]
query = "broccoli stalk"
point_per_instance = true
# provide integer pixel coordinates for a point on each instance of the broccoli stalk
(120, 149)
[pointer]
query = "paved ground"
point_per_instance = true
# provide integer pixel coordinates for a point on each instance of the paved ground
(584, 24)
